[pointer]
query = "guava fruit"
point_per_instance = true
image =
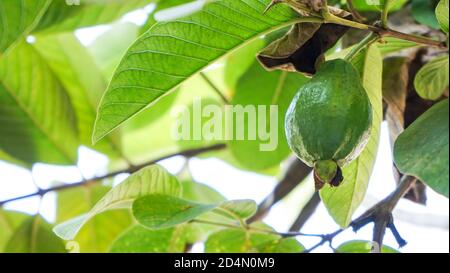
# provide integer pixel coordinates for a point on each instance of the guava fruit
(328, 122)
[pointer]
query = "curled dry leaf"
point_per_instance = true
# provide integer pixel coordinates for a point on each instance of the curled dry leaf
(395, 94)
(303, 48)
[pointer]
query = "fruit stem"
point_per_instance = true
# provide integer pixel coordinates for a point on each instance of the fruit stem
(327, 172)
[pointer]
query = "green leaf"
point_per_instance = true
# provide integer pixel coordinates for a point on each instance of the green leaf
(362, 247)
(158, 211)
(73, 65)
(234, 209)
(422, 149)
(139, 239)
(9, 222)
(392, 45)
(442, 14)
(101, 230)
(258, 87)
(171, 52)
(423, 12)
(432, 79)
(18, 18)
(152, 179)
(34, 236)
(38, 123)
(241, 241)
(341, 202)
(61, 17)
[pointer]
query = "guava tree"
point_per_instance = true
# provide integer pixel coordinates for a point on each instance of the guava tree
(335, 69)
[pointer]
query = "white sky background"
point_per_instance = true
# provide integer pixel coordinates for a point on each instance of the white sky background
(236, 184)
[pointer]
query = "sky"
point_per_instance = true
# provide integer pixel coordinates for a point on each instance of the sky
(424, 227)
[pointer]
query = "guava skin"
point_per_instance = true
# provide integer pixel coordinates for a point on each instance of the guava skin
(330, 117)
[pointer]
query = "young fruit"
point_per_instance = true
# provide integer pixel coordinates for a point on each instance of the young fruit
(328, 122)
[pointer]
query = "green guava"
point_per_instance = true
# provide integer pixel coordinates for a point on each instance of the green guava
(329, 120)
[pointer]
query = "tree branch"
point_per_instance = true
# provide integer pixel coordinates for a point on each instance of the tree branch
(358, 17)
(132, 169)
(214, 87)
(380, 215)
(329, 16)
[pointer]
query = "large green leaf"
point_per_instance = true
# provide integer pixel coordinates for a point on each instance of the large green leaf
(18, 18)
(37, 122)
(442, 14)
(34, 236)
(341, 202)
(158, 211)
(432, 79)
(258, 87)
(422, 149)
(9, 222)
(150, 180)
(361, 247)
(164, 211)
(61, 17)
(171, 52)
(139, 239)
(242, 241)
(75, 68)
(391, 45)
(101, 230)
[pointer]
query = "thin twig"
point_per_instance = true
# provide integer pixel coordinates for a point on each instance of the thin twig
(215, 88)
(332, 18)
(380, 215)
(328, 238)
(187, 153)
(358, 17)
